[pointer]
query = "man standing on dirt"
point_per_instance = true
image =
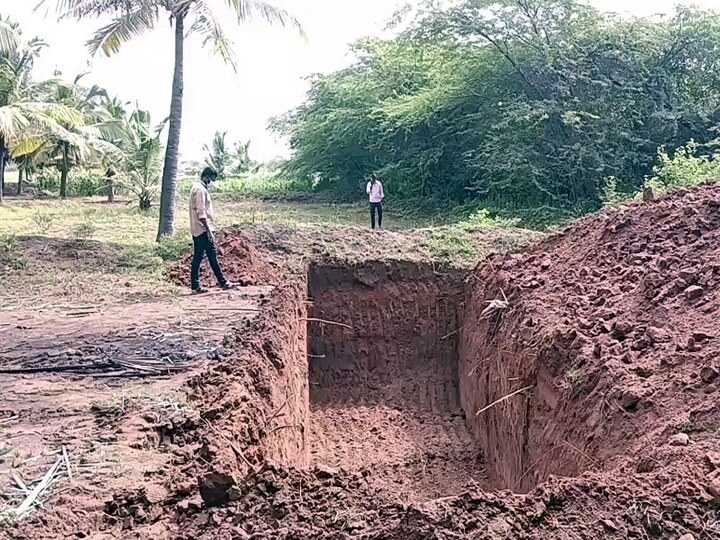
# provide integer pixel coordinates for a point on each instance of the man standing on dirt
(375, 191)
(203, 231)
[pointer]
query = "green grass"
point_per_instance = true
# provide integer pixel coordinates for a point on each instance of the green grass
(83, 247)
(253, 184)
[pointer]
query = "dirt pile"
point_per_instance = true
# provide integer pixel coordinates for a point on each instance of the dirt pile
(241, 262)
(612, 327)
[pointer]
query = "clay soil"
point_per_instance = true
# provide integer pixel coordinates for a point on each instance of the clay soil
(565, 392)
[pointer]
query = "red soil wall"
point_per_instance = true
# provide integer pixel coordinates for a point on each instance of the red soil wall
(401, 344)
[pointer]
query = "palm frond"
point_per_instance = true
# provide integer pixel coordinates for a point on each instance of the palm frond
(84, 8)
(208, 25)
(55, 112)
(122, 29)
(9, 38)
(12, 120)
(247, 9)
(29, 146)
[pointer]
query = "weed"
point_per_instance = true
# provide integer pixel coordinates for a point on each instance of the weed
(84, 231)
(10, 255)
(483, 220)
(173, 249)
(611, 196)
(451, 244)
(574, 380)
(43, 220)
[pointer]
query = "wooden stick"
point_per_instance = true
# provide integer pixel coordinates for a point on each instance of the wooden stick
(286, 426)
(254, 310)
(595, 461)
(276, 413)
(55, 369)
(20, 483)
(312, 319)
(316, 356)
(235, 449)
(450, 334)
(474, 369)
(37, 491)
(537, 462)
(504, 398)
(67, 463)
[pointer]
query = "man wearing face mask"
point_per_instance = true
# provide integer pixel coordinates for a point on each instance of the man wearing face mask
(203, 231)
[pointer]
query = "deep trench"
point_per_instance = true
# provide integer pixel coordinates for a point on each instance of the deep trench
(384, 393)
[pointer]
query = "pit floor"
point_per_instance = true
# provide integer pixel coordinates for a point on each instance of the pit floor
(416, 448)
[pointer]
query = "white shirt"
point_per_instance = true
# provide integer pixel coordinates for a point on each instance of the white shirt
(375, 191)
(200, 208)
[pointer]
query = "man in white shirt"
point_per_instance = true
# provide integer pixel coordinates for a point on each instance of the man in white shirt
(203, 231)
(375, 191)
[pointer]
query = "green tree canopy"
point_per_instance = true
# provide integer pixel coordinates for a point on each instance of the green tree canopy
(512, 102)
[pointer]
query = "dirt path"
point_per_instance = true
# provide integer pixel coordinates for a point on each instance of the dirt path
(104, 385)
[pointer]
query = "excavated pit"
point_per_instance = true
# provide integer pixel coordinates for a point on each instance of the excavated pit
(384, 393)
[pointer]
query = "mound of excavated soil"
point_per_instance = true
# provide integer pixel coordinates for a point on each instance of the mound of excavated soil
(613, 325)
(240, 260)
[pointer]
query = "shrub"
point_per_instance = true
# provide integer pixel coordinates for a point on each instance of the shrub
(685, 168)
(84, 231)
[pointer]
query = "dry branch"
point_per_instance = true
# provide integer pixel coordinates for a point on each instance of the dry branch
(450, 334)
(38, 490)
(595, 461)
(253, 310)
(234, 448)
(312, 319)
(67, 463)
(495, 305)
(504, 398)
(276, 413)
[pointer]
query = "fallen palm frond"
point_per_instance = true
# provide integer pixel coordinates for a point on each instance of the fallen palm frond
(60, 468)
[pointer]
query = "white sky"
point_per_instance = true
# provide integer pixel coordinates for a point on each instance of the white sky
(272, 64)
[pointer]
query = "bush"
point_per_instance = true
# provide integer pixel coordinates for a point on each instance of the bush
(47, 179)
(685, 168)
(86, 183)
(260, 183)
(10, 256)
(84, 231)
(81, 182)
(173, 249)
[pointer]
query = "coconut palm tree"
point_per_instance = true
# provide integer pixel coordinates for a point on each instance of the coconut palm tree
(142, 157)
(83, 139)
(25, 111)
(131, 18)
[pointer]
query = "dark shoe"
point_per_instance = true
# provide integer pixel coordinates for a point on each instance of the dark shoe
(199, 290)
(229, 286)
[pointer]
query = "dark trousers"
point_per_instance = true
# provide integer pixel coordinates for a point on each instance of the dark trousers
(376, 207)
(203, 246)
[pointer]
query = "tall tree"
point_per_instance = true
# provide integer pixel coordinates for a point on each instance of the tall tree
(132, 18)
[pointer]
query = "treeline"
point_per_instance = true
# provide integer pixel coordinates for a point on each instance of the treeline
(519, 103)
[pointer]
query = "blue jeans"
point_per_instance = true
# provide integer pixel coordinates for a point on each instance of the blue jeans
(203, 245)
(376, 207)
